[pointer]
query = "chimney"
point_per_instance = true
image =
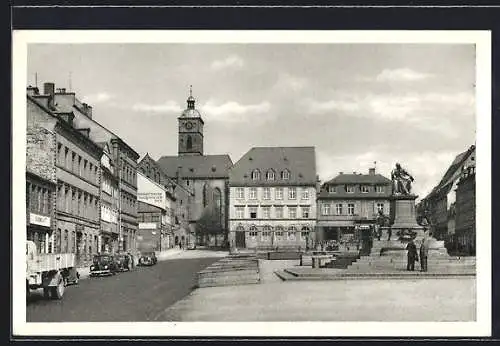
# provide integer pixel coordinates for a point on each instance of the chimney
(341, 173)
(371, 171)
(49, 89)
(31, 91)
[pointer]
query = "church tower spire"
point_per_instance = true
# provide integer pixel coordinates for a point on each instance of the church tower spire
(190, 129)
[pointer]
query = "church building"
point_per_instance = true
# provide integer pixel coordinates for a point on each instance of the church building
(206, 175)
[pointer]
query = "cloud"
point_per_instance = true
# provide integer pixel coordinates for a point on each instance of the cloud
(428, 111)
(97, 98)
(401, 75)
(167, 107)
(232, 61)
(287, 82)
(417, 163)
(235, 112)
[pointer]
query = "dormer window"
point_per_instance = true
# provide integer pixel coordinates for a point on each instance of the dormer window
(349, 188)
(380, 188)
(364, 189)
(270, 175)
(332, 189)
(255, 174)
(285, 175)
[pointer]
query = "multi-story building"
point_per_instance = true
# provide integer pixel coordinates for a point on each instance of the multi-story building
(349, 204)
(76, 167)
(464, 239)
(178, 199)
(109, 237)
(273, 198)
(438, 206)
(205, 175)
(124, 158)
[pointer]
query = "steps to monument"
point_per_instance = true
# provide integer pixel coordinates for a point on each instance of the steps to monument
(238, 269)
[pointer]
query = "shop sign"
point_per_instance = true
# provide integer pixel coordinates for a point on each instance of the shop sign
(147, 225)
(41, 220)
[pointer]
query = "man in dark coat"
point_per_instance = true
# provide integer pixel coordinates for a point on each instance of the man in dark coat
(424, 253)
(412, 255)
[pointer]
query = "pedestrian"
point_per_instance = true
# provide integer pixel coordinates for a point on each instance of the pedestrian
(389, 233)
(412, 255)
(424, 253)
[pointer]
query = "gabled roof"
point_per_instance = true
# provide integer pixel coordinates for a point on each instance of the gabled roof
(196, 166)
(299, 161)
(359, 179)
(148, 208)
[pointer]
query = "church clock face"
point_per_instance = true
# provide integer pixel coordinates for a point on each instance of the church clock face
(189, 125)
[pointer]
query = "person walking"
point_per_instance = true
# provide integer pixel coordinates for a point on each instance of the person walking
(412, 255)
(424, 254)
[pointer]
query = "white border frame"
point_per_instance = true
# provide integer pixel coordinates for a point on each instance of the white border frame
(481, 327)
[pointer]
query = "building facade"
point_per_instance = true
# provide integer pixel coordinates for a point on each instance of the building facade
(273, 198)
(109, 237)
(439, 205)
(348, 206)
(76, 166)
(205, 175)
(124, 159)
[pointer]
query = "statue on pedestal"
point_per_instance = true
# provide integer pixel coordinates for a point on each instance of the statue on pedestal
(401, 181)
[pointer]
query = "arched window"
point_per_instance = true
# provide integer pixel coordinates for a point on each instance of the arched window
(189, 144)
(285, 175)
(255, 174)
(253, 231)
(270, 175)
(279, 231)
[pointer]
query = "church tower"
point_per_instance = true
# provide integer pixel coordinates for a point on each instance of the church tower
(190, 129)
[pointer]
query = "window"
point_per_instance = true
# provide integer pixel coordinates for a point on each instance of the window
(365, 189)
(285, 175)
(292, 212)
(66, 157)
(240, 212)
(266, 212)
(73, 163)
(266, 233)
(325, 209)
(380, 207)
(338, 208)
(80, 170)
(305, 194)
(305, 212)
(350, 209)
(253, 193)
(292, 193)
(240, 193)
(304, 232)
(279, 231)
(253, 234)
(267, 193)
(279, 212)
(253, 212)
(291, 233)
(349, 188)
(255, 174)
(279, 193)
(270, 175)
(59, 152)
(332, 189)
(189, 144)
(380, 188)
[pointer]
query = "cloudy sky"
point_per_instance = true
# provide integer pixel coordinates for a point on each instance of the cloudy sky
(357, 104)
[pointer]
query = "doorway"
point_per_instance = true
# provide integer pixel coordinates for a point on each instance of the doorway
(240, 240)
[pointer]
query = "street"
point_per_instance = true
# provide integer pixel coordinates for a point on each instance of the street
(139, 295)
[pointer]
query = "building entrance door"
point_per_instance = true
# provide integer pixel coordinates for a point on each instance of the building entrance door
(240, 239)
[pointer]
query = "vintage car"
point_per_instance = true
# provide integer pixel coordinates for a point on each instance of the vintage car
(103, 264)
(123, 262)
(148, 258)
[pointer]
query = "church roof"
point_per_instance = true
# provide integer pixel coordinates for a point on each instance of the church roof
(196, 166)
(299, 161)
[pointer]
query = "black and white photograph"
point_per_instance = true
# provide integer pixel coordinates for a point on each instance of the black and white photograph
(277, 183)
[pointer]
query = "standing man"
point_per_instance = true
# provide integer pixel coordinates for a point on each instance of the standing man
(412, 255)
(389, 233)
(424, 253)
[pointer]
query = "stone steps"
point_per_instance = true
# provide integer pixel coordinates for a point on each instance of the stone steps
(233, 270)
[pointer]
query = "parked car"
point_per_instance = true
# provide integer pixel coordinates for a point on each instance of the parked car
(148, 258)
(123, 262)
(103, 264)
